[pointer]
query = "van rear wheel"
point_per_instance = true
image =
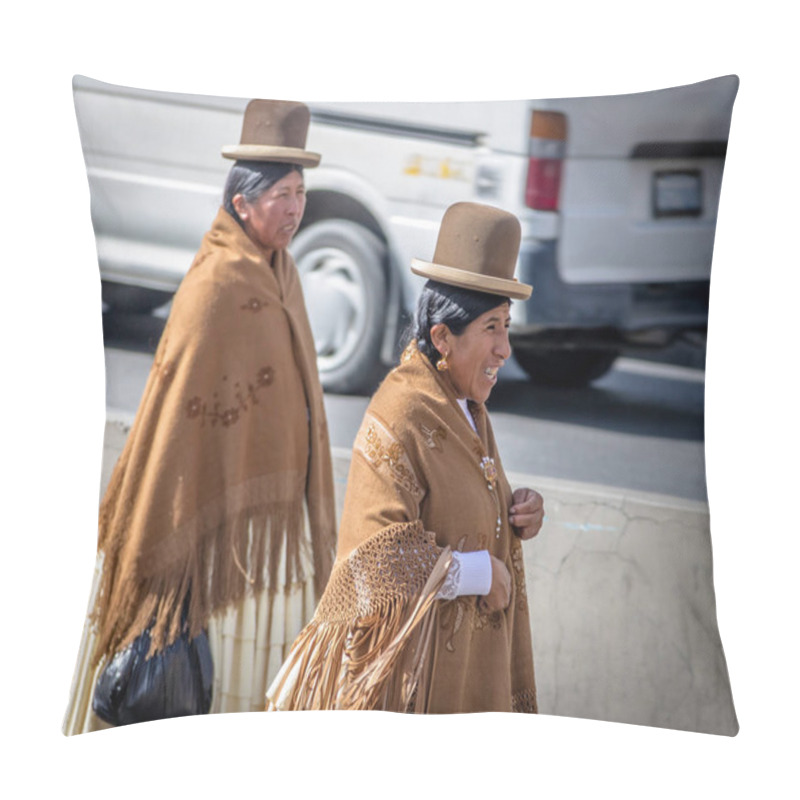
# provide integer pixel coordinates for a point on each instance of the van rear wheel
(565, 368)
(341, 266)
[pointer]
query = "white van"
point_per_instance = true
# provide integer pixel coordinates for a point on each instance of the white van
(617, 197)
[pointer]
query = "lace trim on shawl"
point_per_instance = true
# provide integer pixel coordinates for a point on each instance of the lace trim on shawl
(449, 590)
(367, 645)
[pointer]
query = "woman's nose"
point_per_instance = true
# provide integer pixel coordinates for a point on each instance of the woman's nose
(503, 348)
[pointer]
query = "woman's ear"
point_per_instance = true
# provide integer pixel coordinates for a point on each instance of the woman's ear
(240, 205)
(440, 338)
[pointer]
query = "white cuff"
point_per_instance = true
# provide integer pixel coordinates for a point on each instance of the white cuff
(469, 573)
(476, 572)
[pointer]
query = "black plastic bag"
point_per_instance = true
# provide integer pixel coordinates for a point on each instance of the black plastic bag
(175, 682)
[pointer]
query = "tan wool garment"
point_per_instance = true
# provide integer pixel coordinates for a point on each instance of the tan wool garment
(422, 483)
(230, 438)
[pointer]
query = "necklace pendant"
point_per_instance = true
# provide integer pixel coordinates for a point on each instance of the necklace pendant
(489, 469)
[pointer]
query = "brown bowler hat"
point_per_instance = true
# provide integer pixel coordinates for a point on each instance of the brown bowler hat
(274, 130)
(477, 249)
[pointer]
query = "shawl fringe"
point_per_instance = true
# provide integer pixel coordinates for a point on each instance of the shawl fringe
(367, 646)
(245, 551)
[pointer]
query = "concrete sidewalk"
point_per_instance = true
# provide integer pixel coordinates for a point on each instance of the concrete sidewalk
(621, 595)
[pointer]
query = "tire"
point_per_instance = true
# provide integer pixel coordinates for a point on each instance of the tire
(133, 299)
(341, 266)
(565, 368)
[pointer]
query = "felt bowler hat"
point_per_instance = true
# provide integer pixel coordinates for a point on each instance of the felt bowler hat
(274, 130)
(477, 249)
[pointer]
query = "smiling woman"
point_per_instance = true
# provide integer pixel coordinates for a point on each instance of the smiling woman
(474, 356)
(426, 609)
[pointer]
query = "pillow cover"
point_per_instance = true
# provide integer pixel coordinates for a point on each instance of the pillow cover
(617, 197)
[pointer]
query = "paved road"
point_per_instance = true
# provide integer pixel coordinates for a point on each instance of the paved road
(639, 427)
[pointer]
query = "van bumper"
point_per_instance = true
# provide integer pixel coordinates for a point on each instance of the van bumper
(602, 314)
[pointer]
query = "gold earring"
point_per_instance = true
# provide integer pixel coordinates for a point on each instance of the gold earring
(442, 364)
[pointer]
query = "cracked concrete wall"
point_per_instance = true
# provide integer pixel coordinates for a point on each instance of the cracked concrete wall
(623, 613)
(624, 623)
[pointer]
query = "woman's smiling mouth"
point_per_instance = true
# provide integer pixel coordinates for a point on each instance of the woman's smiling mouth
(491, 372)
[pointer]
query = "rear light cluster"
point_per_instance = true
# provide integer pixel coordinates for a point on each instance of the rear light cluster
(546, 153)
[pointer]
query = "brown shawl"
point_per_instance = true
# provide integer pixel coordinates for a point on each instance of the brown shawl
(379, 639)
(229, 438)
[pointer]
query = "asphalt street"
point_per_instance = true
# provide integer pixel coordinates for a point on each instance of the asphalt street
(639, 427)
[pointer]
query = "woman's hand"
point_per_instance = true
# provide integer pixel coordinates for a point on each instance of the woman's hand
(500, 594)
(526, 513)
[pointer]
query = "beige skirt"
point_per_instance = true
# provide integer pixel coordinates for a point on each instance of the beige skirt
(248, 641)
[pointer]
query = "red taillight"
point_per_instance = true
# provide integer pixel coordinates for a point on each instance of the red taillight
(544, 181)
(546, 153)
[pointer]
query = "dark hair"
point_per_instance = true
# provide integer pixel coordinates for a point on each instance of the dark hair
(440, 303)
(251, 179)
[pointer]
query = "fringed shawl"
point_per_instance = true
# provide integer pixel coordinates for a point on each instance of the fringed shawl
(357, 652)
(229, 439)
(422, 483)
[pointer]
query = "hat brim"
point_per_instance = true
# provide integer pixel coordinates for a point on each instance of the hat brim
(281, 155)
(471, 280)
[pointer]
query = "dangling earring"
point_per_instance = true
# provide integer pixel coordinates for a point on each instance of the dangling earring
(442, 364)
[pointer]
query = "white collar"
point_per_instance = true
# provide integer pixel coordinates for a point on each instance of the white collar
(463, 403)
